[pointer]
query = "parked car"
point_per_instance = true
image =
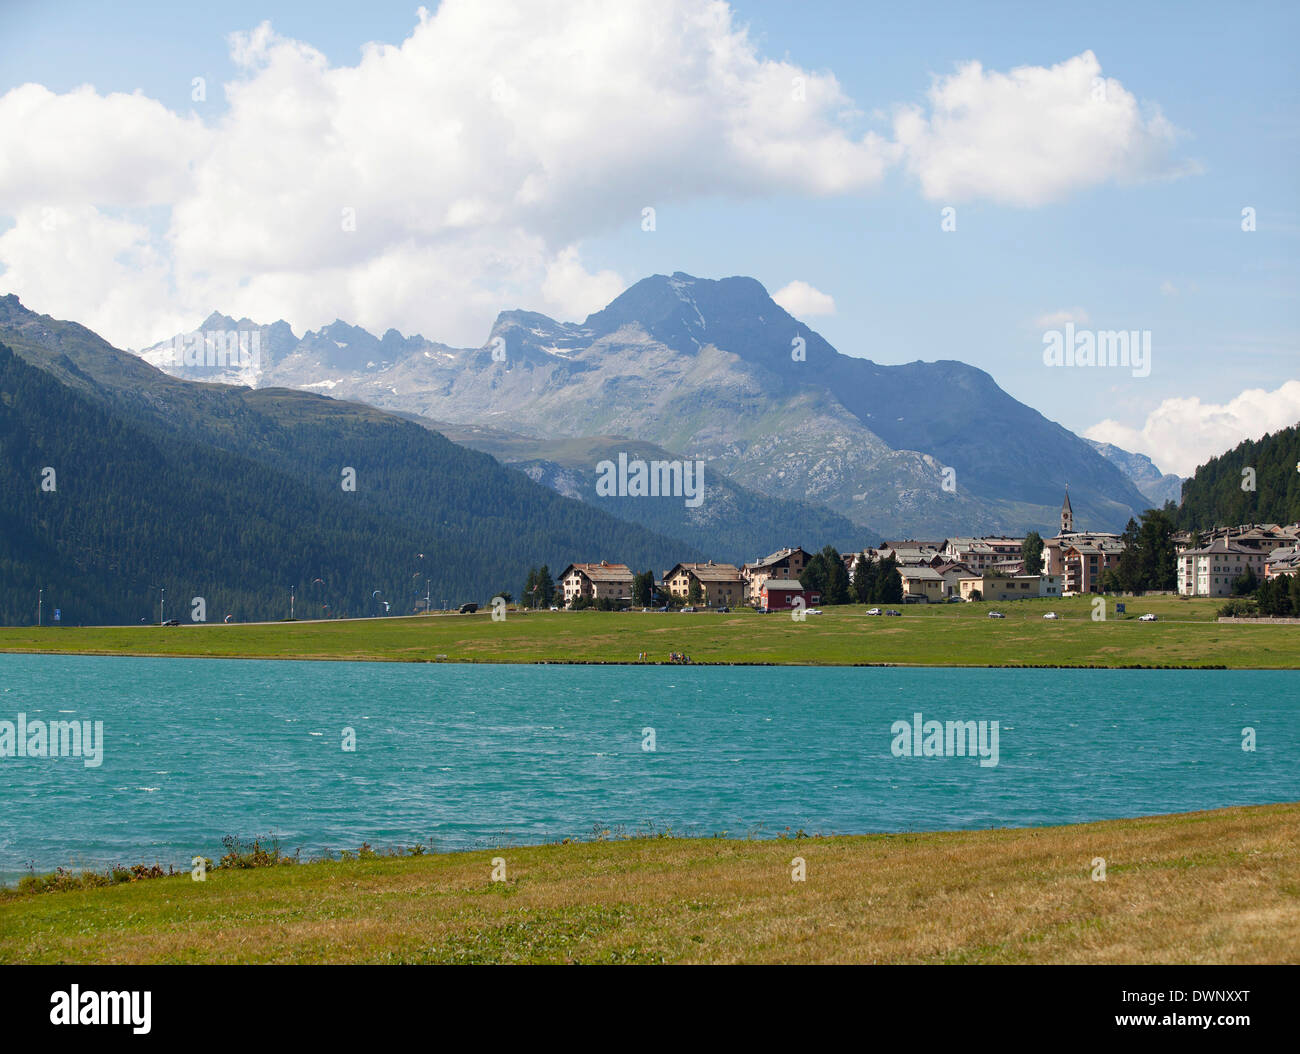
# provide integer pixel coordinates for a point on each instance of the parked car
(724, 610)
(1148, 617)
(1051, 614)
(554, 608)
(468, 609)
(813, 611)
(891, 611)
(954, 600)
(996, 614)
(689, 609)
(874, 611)
(172, 622)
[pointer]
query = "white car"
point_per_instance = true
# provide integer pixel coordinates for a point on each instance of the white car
(996, 614)
(875, 611)
(813, 611)
(1148, 617)
(1051, 614)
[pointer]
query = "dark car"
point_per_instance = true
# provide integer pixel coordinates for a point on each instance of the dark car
(172, 622)
(468, 609)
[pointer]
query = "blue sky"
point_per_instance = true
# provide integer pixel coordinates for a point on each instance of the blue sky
(1164, 252)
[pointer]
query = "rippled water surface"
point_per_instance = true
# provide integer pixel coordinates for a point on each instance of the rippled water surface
(482, 755)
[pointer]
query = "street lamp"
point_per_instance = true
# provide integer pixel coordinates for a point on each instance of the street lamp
(40, 599)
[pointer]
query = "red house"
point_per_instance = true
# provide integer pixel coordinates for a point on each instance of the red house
(778, 594)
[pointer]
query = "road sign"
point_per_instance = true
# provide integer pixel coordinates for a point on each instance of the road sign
(58, 614)
(1119, 608)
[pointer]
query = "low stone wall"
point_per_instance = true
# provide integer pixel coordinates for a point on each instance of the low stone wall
(1271, 620)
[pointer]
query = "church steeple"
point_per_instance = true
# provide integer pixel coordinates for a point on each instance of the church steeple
(1067, 513)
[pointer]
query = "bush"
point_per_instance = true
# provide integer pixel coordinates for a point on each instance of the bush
(239, 855)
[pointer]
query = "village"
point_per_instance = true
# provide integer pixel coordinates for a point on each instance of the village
(960, 569)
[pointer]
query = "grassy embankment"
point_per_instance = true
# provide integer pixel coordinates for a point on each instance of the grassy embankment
(1217, 887)
(941, 635)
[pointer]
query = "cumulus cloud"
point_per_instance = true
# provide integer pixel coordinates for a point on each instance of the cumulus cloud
(804, 301)
(573, 292)
(432, 182)
(81, 148)
(1183, 433)
(462, 170)
(1057, 319)
(1032, 135)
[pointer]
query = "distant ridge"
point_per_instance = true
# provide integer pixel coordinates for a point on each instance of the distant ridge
(715, 369)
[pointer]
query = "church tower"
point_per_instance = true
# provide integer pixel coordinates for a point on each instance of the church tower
(1067, 514)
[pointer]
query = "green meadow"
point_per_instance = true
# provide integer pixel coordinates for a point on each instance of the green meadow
(1206, 887)
(1185, 635)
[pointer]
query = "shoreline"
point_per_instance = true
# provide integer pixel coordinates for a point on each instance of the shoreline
(634, 663)
(401, 852)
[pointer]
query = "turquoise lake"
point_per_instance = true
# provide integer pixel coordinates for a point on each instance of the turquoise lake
(476, 755)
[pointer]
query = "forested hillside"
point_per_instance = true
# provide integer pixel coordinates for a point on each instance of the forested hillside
(143, 501)
(1220, 492)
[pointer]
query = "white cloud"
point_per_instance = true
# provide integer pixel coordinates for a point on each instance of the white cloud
(1032, 135)
(461, 171)
(1057, 319)
(804, 301)
(1183, 433)
(107, 267)
(572, 292)
(81, 148)
(477, 156)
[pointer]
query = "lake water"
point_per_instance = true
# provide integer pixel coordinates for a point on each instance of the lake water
(477, 755)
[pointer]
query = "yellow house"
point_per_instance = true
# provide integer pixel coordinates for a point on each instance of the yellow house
(720, 584)
(602, 581)
(1001, 588)
(923, 584)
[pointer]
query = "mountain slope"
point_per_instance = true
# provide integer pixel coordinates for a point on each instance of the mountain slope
(735, 524)
(716, 370)
(235, 495)
(1156, 486)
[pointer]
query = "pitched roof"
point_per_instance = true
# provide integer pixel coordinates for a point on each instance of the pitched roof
(775, 558)
(782, 584)
(923, 573)
(1220, 546)
(601, 572)
(708, 571)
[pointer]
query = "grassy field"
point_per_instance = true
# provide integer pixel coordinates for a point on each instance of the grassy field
(1207, 887)
(940, 635)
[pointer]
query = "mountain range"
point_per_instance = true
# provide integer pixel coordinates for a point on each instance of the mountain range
(222, 479)
(715, 370)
